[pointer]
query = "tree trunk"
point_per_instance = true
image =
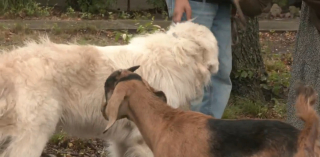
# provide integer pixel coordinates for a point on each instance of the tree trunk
(248, 67)
(305, 66)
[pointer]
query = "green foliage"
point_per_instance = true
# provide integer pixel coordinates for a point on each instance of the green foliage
(278, 71)
(124, 35)
(58, 137)
(242, 107)
(245, 108)
(294, 11)
(279, 108)
(160, 4)
(148, 27)
(23, 8)
(20, 28)
(70, 11)
(244, 74)
(91, 6)
(56, 29)
(86, 15)
(281, 3)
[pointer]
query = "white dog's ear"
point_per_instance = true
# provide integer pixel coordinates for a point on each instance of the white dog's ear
(210, 52)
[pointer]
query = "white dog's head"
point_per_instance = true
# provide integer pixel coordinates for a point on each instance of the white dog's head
(179, 62)
(204, 40)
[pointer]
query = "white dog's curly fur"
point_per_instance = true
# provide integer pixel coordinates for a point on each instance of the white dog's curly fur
(44, 84)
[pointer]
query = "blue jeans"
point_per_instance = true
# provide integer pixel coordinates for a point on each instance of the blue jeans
(217, 19)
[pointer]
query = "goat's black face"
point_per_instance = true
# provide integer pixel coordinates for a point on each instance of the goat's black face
(125, 75)
(115, 77)
(112, 79)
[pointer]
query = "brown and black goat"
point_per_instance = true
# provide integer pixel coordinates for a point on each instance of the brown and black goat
(172, 132)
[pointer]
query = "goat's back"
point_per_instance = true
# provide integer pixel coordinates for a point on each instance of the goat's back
(193, 134)
(247, 138)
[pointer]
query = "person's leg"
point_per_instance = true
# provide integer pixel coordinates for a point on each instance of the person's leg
(217, 95)
(203, 12)
(217, 18)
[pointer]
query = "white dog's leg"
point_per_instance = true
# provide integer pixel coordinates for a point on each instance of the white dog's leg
(34, 127)
(30, 144)
(134, 149)
(139, 150)
(137, 147)
(126, 141)
(115, 149)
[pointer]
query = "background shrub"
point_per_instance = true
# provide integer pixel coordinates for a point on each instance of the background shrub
(91, 6)
(23, 8)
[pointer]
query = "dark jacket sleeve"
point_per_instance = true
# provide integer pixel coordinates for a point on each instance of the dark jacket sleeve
(293, 2)
(315, 5)
(253, 8)
(314, 12)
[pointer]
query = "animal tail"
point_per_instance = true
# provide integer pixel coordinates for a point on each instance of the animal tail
(306, 98)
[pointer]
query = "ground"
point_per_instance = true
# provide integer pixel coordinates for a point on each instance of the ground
(276, 48)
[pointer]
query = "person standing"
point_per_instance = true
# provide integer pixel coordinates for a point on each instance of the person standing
(216, 17)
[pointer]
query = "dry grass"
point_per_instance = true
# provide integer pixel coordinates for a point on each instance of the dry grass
(17, 35)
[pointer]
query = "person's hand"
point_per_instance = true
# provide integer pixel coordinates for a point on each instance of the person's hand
(181, 6)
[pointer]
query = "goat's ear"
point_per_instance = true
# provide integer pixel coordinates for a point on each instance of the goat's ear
(114, 103)
(134, 68)
(161, 95)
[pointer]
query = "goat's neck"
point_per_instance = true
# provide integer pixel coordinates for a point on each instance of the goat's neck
(148, 113)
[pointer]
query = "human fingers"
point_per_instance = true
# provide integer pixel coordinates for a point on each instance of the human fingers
(188, 11)
(177, 15)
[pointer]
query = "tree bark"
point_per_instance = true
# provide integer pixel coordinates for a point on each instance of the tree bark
(248, 68)
(306, 66)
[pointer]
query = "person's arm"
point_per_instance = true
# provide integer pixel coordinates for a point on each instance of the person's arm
(315, 5)
(181, 6)
(253, 8)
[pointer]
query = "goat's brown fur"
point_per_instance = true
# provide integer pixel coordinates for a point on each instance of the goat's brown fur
(172, 132)
(156, 119)
(157, 122)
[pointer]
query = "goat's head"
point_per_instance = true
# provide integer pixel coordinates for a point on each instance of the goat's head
(118, 88)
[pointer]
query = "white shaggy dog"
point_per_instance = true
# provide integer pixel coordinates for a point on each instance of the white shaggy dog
(45, 84)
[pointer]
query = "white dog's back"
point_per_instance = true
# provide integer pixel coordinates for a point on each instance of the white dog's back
(43, 84)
